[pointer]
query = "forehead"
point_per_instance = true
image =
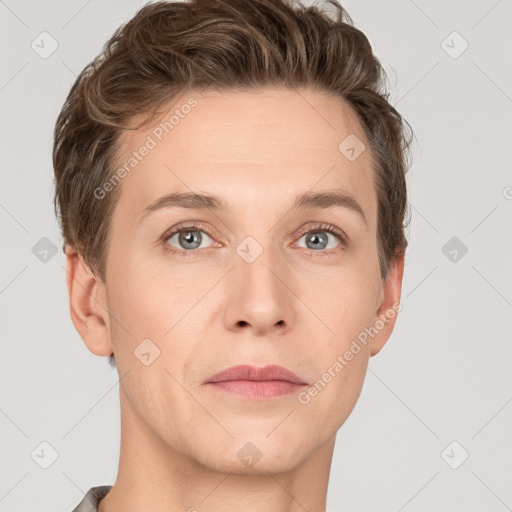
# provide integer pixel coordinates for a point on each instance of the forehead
(261, 146)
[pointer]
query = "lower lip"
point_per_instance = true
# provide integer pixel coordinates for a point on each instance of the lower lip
(258, 389)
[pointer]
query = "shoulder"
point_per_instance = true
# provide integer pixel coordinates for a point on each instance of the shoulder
(92, 498)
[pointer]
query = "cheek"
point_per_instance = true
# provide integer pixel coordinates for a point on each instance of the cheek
(346, 305)
(341, 367)
(145, 298)
(161, 304)
(344, 300)
(327, 403)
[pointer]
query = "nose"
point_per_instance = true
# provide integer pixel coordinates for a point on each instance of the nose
(260, 297)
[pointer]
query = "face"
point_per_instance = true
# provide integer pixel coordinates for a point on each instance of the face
(254, 278)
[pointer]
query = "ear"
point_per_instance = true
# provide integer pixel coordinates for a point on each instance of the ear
(385, 317)
(88, 305)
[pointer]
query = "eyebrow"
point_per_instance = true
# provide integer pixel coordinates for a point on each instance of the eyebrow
(304, 201)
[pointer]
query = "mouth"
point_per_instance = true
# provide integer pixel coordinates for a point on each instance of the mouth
(256, 383)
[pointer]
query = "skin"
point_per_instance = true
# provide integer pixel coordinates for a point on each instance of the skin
(292, 306)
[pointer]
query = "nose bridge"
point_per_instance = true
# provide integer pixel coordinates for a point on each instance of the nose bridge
(259, 295)
(257, 263)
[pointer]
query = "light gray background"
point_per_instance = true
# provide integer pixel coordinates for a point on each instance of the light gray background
(444, 376)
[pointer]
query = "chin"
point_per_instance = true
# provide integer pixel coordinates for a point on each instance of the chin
(256, 457)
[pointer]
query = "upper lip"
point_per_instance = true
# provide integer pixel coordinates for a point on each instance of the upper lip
(248, 372)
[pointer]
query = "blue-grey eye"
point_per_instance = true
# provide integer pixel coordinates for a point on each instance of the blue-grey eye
(319, 240)
(189, 239)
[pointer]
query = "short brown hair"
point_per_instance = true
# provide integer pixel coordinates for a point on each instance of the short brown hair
(169, 48)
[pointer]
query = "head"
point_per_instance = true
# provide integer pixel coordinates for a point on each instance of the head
(259, 111)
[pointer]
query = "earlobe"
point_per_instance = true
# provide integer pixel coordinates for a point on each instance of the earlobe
(87, 302)
(387, 312)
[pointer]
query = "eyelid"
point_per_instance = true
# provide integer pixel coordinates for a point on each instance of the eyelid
(187, 225)
(322, 226)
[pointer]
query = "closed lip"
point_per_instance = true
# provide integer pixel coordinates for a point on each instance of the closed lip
(248, 372)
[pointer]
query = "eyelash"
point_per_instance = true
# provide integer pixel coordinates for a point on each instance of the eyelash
(329, 229)
(200, 227)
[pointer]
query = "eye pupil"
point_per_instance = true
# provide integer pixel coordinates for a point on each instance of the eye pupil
(315, 236)
(188, 237)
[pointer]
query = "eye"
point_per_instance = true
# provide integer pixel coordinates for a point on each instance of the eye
(193, 239)
(186, 239)
(324, 238)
